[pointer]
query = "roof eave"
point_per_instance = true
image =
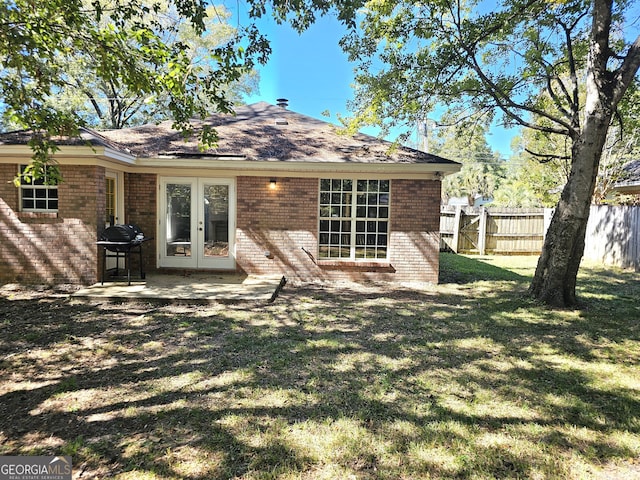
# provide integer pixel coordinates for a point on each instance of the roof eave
(66, 152)
(437, 170)
(631, 188)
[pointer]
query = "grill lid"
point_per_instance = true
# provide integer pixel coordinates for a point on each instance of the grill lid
(122, 233)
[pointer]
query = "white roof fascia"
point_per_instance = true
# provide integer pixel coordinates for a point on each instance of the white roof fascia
(87, 155)
(119, 156)
(291, 167)
(15, 151)
(69, 152)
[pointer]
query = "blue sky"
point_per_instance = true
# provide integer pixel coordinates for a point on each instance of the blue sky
(313, 72)
(310, 70)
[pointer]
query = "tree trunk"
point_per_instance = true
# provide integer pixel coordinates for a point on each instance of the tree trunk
(555, 279)
(554, 282)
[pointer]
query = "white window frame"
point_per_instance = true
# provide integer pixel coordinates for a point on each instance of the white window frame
(39, 186)
(355, 235)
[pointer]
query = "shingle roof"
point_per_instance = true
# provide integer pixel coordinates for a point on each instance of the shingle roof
(631, 173)
(87, 137)
(265, 132)
(629, 181)
(257, 132)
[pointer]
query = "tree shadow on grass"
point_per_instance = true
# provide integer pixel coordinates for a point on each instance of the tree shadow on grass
(463, 269)
(599, 280)
(325, 382)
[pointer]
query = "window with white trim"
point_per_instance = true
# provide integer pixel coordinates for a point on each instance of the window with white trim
(37, 195)
(354, 219)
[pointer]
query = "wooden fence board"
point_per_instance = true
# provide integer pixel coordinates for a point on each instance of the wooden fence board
(488, 230)
(613, 232)
(613, 236)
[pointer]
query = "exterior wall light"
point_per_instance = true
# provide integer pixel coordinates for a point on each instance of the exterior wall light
(272, 184)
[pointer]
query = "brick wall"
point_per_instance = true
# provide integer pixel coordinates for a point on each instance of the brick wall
(415, 229)
(52, 247)
(140, 203)
(280, 221)
(60, 248)
(284, 222)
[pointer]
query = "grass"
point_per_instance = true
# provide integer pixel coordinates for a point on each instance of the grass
(469, 379)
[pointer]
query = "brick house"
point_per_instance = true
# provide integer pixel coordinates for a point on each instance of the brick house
(629, 182)
(281, 194)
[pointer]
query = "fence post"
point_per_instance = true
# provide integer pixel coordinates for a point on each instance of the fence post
(482, 232)
(456, 229)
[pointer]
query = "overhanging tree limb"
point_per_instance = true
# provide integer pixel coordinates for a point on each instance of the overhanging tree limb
(627, 71)
(503, 99)
(547, 157)
(125, 41)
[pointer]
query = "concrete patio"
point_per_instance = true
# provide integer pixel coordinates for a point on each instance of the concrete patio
(188, 288)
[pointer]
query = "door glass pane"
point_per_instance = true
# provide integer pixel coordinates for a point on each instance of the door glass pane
(216, 220)
(110, 190)
(178, 220)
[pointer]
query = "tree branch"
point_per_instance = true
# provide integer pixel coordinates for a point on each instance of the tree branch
(627, 71)
(556, 99)
(502, 99)
(547, 157)
(94, 103)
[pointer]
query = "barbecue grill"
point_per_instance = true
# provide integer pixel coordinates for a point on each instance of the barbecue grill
(119, 241)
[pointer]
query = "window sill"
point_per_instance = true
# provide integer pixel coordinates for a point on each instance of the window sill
(38, 217)
(359, 266)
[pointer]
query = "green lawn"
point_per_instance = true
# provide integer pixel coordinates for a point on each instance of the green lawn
(469, 379)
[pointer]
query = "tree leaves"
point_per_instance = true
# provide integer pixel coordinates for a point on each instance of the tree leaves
(122, 46)
(465, 56)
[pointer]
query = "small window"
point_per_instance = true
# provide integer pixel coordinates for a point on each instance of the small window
(354, 219)
(37, 195)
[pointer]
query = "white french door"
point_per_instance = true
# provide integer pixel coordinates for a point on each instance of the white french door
(197, 223)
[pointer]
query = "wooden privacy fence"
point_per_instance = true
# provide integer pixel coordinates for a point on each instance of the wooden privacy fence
(612, 238)
(492, 230)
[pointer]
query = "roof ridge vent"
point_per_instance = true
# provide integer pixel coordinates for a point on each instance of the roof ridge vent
(282, 102)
